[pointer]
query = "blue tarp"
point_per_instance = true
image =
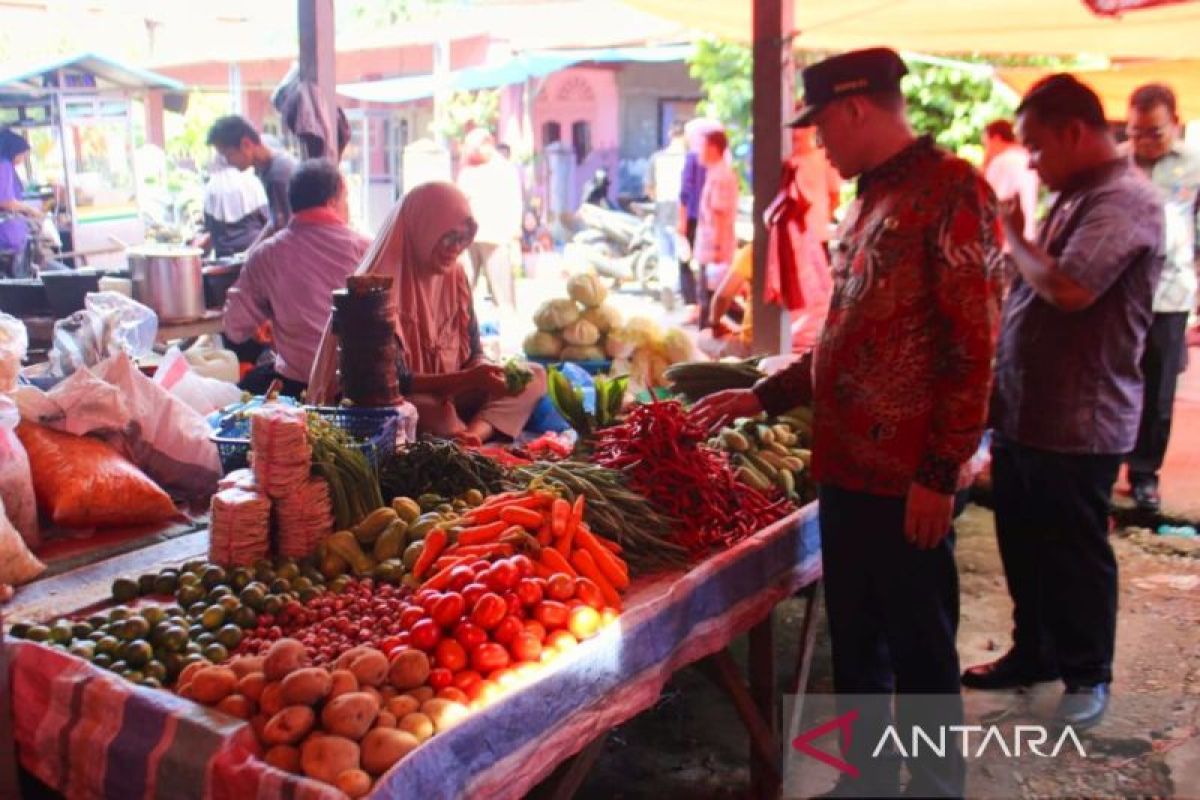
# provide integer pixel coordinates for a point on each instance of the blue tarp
(517, 69)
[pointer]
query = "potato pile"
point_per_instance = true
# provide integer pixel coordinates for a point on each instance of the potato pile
(575, 328)
(345, 725)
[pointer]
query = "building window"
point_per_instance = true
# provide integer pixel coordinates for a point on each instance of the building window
(551, 133)
(581, 139)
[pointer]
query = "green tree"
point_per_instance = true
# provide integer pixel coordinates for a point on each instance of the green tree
(467, 110)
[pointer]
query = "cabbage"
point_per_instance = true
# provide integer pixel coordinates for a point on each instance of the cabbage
(620, 343)
(643, 332)
(581, 333)
(554, 315)
(540, 344)
(587, 289)
(678, 346)
(582, 353)
(605, 318)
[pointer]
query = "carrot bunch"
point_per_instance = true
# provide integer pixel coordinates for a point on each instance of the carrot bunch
(540, 524)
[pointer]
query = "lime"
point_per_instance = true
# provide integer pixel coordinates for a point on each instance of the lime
(213, 617)
(212, 576)
(60, 632)
(195, 566)
(412, 553)
(272, 605)
(193, 649)
(308, 595)
(108, 645)
(253, 596)
(134, 628)
(218, 592)
(133, 675)
(313, 574)
(245, 617)
(166, 583)
(20, 630)
(151, 683)
(153, 615)
(196, 610)
(173, 664)
(102, 660)
(155, 670)
(138, 653)
(118, 666)
(230, 636)
(118, 613)
(173, 611)
(96, 636)
(195, 630)
(216, 653)
(287, 569)
(189, 579)
(189, 594)
(281, 586)
(145, 584)
(240, 578)
(124, 590)
(81, 630)
(263, 571)
(85, 650)
(300, 583)
(206, 638)
(230, 604)
(174, 640)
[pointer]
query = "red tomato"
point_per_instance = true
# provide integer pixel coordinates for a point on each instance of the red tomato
(562, 641)
(465, 679)
(529, 592)
(489, 610)
(506, 573)
(450, 654)
(390, 645)
(411, 616)
(448, 609)
(480, 565)
(440, 677)
(584, 622)
(523, 564)
(514, 605)
(548, 655)
(469, 635)
(536, 628)
(453, 693)
(551, 614)
(422, 595)
(429, 600)
(608, 616)
(587, 591)
(460, 577)
(560, 586)
(526, 646)
(527, 672)
(472, 592)
(425, 635)
(506, 678)
(483, 693)
(507, 630)
(488, 657)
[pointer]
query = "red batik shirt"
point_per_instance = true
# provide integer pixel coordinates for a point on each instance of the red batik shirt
(901, 375)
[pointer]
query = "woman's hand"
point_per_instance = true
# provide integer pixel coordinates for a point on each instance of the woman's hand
(487, 378)
(717, 409)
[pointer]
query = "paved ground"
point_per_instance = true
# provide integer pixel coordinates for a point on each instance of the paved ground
(1181, 473)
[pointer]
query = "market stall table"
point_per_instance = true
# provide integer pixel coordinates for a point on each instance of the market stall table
(144, 742)
(212, 322)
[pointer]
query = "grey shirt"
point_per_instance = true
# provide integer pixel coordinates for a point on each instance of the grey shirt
(275, 178)
(1071, 382)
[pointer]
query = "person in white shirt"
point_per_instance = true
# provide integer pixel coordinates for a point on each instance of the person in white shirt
(664, 179)
(493, 188)
(1006, 168)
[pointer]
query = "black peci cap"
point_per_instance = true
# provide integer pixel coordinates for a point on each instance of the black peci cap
(857, 72)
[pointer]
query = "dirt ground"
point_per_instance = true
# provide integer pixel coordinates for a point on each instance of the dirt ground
(692, 743)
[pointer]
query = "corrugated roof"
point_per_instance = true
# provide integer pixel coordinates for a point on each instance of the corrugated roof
(112, 72)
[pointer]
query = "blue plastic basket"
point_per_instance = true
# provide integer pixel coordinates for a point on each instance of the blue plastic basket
(373, 430)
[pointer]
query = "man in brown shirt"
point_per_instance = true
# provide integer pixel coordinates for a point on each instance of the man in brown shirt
(899, 386)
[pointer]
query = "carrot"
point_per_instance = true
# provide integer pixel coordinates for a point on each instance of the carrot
(583, 561)
(557, 562)
(541, 570)
(477, 550)
(491, 513)
(613, 547)
(441, 578)
(481, 534)
(563, 545)
(435, 543)
(545, 534)
(612, 567)
(560, 512)
(525, 517)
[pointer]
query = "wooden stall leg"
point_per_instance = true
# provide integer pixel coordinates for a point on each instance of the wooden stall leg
(723, 670)
(765, 772)
(808, 637)
(567, 779)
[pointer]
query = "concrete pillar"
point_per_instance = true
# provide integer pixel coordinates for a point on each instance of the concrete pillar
(153, 103)
(317, 60)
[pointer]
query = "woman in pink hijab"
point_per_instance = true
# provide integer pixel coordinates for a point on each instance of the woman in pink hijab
(443, 372)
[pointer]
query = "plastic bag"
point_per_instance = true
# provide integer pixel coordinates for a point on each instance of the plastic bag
(204, 395)
(133, 326)
(14, 341)
(81, 482)
(111, 323)
(16, 483)
(17, 564)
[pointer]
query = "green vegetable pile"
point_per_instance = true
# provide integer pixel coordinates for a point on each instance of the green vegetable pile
(516, 376)
(610, 396)
(698, 379)
(437, 467)
(353, 486)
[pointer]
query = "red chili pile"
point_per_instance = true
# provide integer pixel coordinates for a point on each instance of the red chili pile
(661, 450)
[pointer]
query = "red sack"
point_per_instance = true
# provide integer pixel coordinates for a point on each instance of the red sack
(81, 482)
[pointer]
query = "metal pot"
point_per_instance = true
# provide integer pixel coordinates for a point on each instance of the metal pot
(169, 279)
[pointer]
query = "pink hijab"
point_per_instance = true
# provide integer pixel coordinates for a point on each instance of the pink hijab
(434, 307)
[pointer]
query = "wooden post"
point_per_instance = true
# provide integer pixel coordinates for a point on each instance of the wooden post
(317, 60)
(774, 98)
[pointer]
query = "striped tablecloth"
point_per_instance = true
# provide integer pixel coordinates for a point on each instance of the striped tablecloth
(90, 734)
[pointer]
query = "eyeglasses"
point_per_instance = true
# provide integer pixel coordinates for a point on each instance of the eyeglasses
(1157, 133)
(459, 238)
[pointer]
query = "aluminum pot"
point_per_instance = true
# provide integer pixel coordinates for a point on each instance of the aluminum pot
(169, 279)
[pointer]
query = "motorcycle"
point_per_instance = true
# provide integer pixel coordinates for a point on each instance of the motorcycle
(617, 244)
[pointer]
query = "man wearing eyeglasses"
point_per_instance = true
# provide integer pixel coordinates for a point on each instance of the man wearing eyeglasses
(1155, 148)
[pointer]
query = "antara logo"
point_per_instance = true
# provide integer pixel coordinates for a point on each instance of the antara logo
(1033, 740)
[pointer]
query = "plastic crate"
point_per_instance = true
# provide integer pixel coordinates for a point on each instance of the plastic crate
(373, 429)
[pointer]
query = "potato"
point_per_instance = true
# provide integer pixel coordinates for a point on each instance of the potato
(383, 747)
(354, 783)
(409, 669)
(344, 682)
(403, 705)
(422, 694)
(326, 757)
(211, 685)
(306, 687)
(370, 667)
(371, 690)
(387, 692)
(259, 723)
(189, 672)
(184, 690)
(237, 705)
(386, 719)
(350, 715)
(290, 725)
(270, 701)
(347, 658)
(284, 757)
(284, 656)
(445, 713)
(245, 665)
(418, 724)
(252, 685)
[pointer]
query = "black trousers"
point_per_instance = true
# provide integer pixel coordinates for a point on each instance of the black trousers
(893, 617)
(1052, 525)
(688, 287)
(1164, 358)
(259, 379)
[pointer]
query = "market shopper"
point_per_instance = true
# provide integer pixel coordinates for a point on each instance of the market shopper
(14, 227)
(287, 280)
(716, 239)
(1006, 167)
(815, 179)
(235, 210)
(1068, 394)
(664, 178)
(1155, 148)
(691, 185)
(899, 388)
(443, 371)
(240, 145)
(493, 188)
